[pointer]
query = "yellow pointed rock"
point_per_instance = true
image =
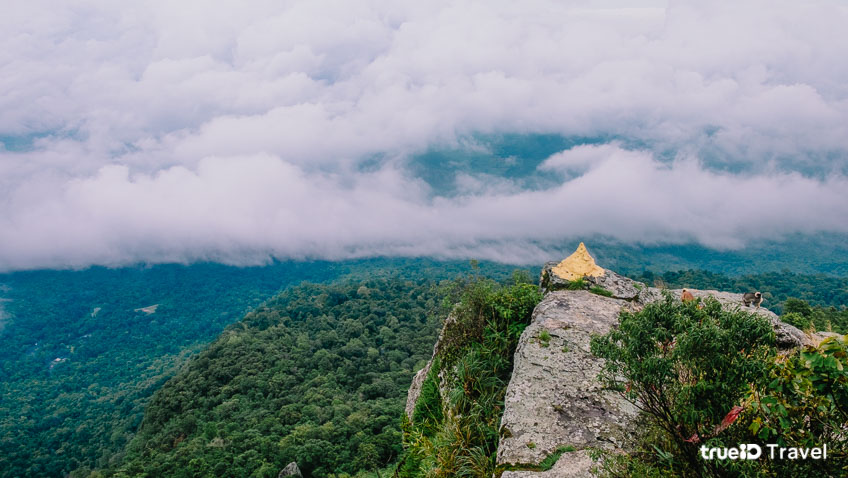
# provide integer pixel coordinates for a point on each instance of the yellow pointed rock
(578, 265)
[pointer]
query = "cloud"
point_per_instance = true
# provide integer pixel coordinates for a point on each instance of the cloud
(164, 131)
(251, 208)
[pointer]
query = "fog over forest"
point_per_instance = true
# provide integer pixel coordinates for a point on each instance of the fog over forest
(183, 131)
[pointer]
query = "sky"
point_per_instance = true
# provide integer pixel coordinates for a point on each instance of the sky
(241, 131)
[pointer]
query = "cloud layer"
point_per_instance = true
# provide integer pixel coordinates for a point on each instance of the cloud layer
(168, 131)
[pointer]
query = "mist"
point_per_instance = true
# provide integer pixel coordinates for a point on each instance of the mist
(162, 132)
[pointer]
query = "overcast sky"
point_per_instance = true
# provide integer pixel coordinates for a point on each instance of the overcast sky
(238, 131)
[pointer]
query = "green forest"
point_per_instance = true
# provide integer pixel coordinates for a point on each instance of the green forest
(317, 375)
(81, 359)
(93, 384)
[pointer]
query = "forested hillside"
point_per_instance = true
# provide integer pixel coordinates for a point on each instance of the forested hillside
(80, 358)
(318, 375)
(83, 351)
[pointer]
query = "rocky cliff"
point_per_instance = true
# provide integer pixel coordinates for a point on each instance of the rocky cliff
(554, 402)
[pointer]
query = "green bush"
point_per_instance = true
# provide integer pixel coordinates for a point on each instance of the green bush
(797, 306)
(711, 377)
(577, 284)
(686, 368)
(796, 319)
(476, 361)
(428, 408)
(805, 404)
(804, 316)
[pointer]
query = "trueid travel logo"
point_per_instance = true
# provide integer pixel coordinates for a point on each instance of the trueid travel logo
(752, 451)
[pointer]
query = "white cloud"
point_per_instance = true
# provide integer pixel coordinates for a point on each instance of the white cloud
(179, 131)
(249, 208)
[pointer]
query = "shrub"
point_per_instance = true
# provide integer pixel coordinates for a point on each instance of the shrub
(476, 361)
(712, 377)
(797, 306)
(804, 316)
(806, 405)
(578, 284)
(798, 320)
(428, 408)
(685, 367)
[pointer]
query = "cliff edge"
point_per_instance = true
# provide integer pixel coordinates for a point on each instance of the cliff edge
(554, 403)
(554, 399)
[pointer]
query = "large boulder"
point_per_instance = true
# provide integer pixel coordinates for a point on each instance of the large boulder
(554, 398)
(581, 266)
(291, 470)
(617, 285)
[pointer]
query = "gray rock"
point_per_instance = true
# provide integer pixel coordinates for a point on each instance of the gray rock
(415, 389)
(550, 282)
(621, 287)
(421, 375)
(290, 470)
(554, 398)
(649, 294)
(787, 336)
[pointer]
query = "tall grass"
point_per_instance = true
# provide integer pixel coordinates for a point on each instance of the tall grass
(474, 367)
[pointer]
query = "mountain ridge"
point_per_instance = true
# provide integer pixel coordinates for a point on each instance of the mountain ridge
(554, 402)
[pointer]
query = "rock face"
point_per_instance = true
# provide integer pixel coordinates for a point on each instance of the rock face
(415, 389)
(418, 379)
(554, 398)
(290, 470)
(570, 465)
(578, 265)
(581, 265)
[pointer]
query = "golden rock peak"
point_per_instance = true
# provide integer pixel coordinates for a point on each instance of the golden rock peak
(578, 265)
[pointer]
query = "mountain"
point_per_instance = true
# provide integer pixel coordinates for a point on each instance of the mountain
(315, 376)
(556, 414)
(84, 351)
